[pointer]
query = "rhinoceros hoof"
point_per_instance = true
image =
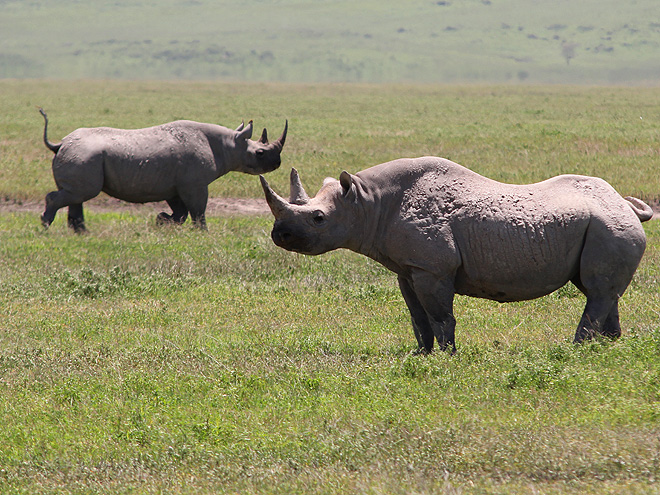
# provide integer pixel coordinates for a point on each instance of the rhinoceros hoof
(78, 226)
(611, 334)
(163, 219)
(45, 222)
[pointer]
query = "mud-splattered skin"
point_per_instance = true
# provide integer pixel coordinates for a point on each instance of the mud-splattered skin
(444, 229)
(173, 162)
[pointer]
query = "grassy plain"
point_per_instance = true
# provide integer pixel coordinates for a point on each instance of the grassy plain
(591, 41)
(512, 134)
(145, 360)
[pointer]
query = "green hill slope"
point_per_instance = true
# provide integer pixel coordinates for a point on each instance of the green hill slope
(558, 41)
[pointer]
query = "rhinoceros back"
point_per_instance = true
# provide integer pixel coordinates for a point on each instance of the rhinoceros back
(139, 165)
(515, 241)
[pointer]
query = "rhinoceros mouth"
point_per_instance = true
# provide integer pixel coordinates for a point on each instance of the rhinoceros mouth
(285, 240)
(276, 164)
(288, 240)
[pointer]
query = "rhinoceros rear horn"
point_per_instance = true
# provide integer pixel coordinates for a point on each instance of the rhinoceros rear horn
(264, 137)
(277, 204)
(297, 194)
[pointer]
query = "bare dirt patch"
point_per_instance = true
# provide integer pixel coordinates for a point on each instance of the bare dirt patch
(215, 207)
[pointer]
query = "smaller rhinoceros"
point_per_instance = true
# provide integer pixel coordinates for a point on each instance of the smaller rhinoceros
(172, 162)
(446, 230)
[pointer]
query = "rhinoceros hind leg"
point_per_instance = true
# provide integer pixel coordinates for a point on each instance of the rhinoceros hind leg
(444, 333)
(76, 218)
(593, 322)
(51, 209)
(612, 328)
(59, 199)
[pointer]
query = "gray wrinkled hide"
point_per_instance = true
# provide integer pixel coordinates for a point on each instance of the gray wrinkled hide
(446, 230)
(172, 162)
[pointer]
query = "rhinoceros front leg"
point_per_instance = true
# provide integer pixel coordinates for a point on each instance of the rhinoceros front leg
(436, 297)
(195, 200)
(179, 212)
(420, 320)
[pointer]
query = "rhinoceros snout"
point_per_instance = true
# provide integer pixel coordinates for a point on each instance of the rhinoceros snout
(291, 240)
(281, 237)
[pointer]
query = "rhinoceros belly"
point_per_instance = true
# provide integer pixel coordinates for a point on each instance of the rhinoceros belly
(140, 174)
(145, 165)
(513, 259)
(140, 182)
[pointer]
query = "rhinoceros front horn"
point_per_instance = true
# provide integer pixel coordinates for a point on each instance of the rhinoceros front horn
(277, 204)
(297, 194)
(279, 143)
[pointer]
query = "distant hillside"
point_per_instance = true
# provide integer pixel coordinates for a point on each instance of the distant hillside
(426, 41)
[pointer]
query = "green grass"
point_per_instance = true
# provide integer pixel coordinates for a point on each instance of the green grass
(141, 359)
(138, 359)
(422, 41)
(509, 134)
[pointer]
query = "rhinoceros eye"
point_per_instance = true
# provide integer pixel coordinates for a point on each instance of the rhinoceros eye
(318, 217)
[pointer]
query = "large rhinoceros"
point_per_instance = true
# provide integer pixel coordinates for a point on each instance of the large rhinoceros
(172, 162)
(446, 230)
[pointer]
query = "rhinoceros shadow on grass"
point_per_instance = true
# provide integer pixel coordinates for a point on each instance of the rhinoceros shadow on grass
(446, 230)
(172, 162)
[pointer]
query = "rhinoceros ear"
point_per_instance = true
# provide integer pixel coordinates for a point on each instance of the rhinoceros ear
(347, 185)
(240, 127)
(277, 205)
(245, 133)
(297, 194)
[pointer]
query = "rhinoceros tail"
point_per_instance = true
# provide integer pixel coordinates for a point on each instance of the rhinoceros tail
(52, 147)
(643, 211)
